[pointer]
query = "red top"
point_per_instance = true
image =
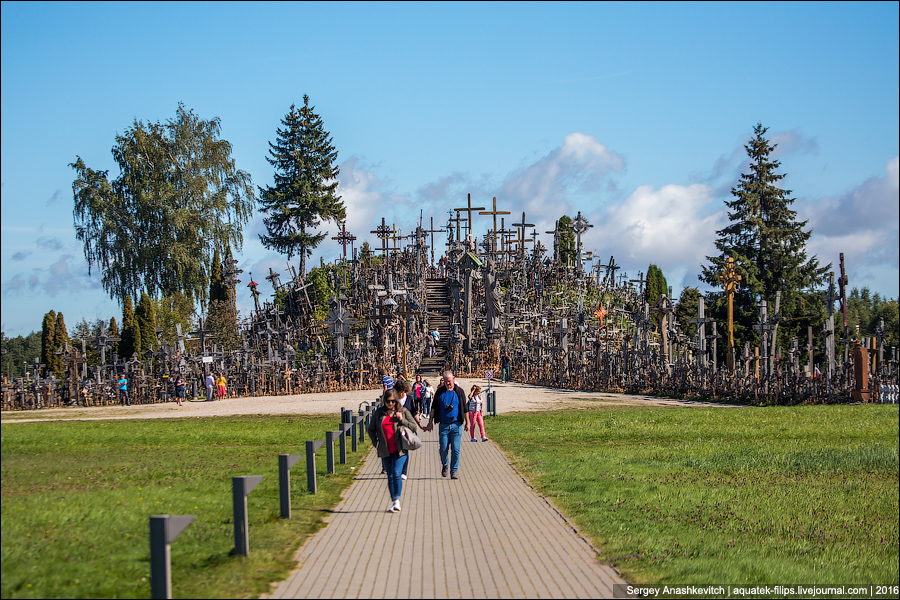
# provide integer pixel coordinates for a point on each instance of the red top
(387, 426)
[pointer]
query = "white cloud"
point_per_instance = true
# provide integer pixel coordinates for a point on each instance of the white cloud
(582, 165)
(672, 227)
(864, 224)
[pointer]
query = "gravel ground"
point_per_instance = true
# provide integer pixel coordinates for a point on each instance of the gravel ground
(511, 397)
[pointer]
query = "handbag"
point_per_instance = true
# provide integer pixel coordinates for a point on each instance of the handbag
(408, 439)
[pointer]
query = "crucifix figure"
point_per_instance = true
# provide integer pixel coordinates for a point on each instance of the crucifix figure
(383, 232)
(729, 279)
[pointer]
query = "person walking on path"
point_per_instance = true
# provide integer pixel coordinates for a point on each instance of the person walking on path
(387, 382)
(384, 431)
(450, 408)
(426, 399)
(210, 387)
(123, 390)
(409, 403)
(179, 390)
(476, 413)
(418, 393)
(505, 362)
(429, 342)
(220, 385)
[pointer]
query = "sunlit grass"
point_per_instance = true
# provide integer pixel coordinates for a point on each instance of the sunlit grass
(722, 496)
(77, 497)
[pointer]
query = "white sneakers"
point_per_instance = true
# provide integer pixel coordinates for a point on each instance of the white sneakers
(395, 506)
(403, 477)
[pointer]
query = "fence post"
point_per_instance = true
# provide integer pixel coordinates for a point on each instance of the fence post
(163, 531)
(311, 448)
(285, 463)
(240, 488)
(330, 436)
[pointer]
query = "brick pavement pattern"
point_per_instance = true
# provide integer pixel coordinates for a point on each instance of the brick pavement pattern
(485, 535)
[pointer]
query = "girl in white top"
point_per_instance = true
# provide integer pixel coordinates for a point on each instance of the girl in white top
(429, 395)
(476, 410)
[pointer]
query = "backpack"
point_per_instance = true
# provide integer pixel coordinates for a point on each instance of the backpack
(449, 406)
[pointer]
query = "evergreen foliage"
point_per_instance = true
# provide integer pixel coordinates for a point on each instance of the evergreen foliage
(145, 316)
(113, 330)
(365, 254)
(177, 198)
(61, 338)
(768, 245)
(48, 338)
(217, 290)
(305, 185)
(567, 250)
(864, 313)
(171, 310)
(686, 309)
(656, 286)
(222, 321)
(131, 339)
(19, 351)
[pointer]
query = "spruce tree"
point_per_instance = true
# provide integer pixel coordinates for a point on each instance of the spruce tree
(48, 338)
(768, 245)
(145, 316)
(61, 338)
(217, 289)
(113, 330)
(305, 185)
(656, 286)
(130, 342)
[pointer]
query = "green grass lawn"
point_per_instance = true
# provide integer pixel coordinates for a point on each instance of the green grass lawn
(774, 495)
(77, 497)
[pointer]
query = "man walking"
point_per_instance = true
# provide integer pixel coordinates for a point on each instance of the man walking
(210, 387)
(449, 407)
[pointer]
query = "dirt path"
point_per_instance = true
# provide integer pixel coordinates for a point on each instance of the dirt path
(511, 397)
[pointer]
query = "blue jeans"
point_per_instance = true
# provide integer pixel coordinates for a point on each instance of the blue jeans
(450, 436)
(393, 466)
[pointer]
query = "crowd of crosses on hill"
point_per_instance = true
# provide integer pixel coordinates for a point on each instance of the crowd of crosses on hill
(505, 303)
(562, 319)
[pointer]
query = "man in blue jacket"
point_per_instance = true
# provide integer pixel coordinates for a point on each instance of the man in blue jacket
(449, 407)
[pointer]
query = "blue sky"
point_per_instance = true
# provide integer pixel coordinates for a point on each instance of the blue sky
(634, 114)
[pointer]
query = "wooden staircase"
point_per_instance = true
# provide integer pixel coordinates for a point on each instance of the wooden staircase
(437, 301)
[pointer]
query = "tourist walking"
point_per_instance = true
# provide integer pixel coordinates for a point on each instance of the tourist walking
(384, 432)
(476, 413)
(123, 391)
(442, 265)
(387, 382)
(220, 386)
(407, 401)
(418, 392)
(179, 389)
(429, 342)
(449, 407)
(210, 387)
(505, 363)
(426, 402)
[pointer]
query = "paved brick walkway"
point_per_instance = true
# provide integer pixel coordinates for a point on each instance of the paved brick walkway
(511, 542)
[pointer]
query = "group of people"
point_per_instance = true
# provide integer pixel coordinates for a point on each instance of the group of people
(402, 405)
(215, 386)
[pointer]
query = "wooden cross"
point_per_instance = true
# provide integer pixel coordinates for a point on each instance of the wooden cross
(522, 226)
(383, 232)
(457, 220)
(344, 238)
(469, 210)
(494, 213)
(729, 279)
(432, 231)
